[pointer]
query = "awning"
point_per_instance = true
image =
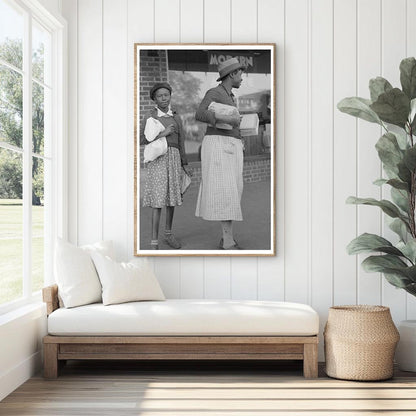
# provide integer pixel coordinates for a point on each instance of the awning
(202, 60)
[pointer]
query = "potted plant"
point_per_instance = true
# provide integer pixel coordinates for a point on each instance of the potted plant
(394, 109)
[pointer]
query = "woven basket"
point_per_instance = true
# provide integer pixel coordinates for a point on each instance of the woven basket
(360, 341)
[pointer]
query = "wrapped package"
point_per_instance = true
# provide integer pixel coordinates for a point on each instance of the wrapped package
(157, 147)
(226, 110)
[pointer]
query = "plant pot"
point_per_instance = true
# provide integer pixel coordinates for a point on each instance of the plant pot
(360, 341)
(406, 349)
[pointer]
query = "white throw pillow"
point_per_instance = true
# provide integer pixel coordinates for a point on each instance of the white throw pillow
(126, 282)
(75, 273)
(104, 247)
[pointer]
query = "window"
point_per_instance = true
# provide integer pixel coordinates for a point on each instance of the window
(31, 140)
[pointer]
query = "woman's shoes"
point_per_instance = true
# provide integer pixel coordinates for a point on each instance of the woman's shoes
(172, 241)
(154, 245)
(233, 247)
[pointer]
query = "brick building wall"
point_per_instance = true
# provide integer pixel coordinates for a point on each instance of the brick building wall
(153, 68)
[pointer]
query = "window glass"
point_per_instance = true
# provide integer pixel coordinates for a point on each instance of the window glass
(11, 106)
(38, 228)
(41, 45)
(38, 118)
(26, 218)
(11, 226)
(11, 34)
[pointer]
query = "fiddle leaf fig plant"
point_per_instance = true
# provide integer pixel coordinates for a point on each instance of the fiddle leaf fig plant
(394, 109)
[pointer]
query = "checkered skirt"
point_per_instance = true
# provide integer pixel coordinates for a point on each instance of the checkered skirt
(221, 187)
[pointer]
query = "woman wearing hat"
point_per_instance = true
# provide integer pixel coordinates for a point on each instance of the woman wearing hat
(163, 180)
(221, 187)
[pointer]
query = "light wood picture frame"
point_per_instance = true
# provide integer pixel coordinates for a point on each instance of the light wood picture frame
(190, 70)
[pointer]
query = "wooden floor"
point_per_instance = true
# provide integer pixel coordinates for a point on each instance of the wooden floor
(207, 389)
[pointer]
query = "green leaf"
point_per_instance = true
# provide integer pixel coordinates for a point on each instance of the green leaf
(408, 249)
(389, 151)
(411, 289)
(359, 107)
(404, 173)
(400, 198)
(401, 139)
(412, 109)
(400, 228)
(410, 158)
(378, 86)
(366, 243)
(389, 208)
(408, 77)
(396, 271)
(410, 272)
(380, 182)
(392, 107)
(397, 280)
(412, 116)
(390, 173)
(398, 184)
(395, 183)
(381, 263)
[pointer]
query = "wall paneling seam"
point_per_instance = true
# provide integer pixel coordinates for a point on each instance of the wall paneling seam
(77, 131)
(257, 40)
(102, 119)
(231, 21)
(332, 153)
(284, 146)
(180, 21)
(357, 146)
(382, 73)
(381, 225)
(309, 212)
(407, 54)
(127, 167)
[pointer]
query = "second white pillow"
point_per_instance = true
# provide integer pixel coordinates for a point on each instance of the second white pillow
(126, 282)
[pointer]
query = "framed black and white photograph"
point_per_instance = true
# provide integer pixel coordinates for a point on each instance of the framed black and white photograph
(204, 124)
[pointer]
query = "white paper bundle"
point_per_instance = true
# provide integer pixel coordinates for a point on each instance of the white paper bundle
(157, 147)
(249, 125)
(225, 110)
(152, 129)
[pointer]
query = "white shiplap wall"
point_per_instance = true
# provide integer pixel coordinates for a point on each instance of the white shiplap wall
(326, 50)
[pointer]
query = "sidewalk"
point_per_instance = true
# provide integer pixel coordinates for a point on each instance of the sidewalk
(253, 233)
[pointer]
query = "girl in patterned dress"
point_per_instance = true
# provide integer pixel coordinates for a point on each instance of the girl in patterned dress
(163, 180)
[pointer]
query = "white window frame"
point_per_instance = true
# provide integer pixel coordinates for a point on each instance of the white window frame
(58, 211)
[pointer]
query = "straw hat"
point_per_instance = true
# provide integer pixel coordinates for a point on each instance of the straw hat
(228, 66)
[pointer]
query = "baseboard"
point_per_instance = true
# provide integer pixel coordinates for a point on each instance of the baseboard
(10, 380)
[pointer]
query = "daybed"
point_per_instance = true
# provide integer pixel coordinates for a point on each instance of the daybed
(180, 329)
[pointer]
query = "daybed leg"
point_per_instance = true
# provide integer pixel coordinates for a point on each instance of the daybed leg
(310, 360)
(50, 360)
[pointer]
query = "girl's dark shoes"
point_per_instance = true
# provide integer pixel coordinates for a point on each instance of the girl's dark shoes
(172, 241)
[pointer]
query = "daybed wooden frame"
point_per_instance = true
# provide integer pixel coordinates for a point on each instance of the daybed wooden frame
(57, 349)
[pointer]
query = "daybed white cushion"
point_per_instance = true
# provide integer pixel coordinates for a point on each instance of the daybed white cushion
(187, 317)
(75, 273)
(126, 282)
